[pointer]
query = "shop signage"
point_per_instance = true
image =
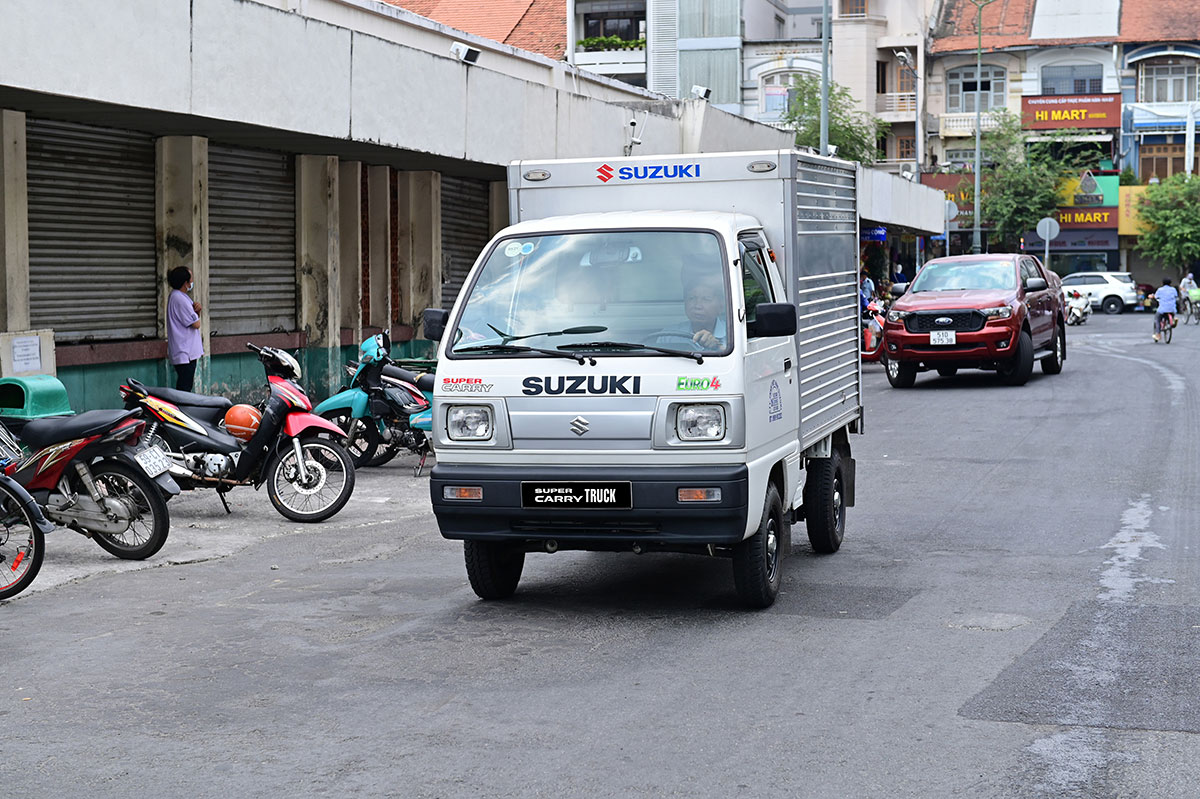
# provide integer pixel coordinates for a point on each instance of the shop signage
(873, 234)
(1057, 111)
(1129, 220)
(1075, 218)
(1073, 240)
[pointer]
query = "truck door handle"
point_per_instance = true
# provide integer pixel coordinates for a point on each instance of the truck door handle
(787, 364)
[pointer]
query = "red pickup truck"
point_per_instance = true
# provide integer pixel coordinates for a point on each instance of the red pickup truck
(998, 311)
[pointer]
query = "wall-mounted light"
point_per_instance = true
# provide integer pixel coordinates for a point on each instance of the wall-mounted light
(464, 53)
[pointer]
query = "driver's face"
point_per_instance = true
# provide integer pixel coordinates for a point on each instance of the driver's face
(703, 303)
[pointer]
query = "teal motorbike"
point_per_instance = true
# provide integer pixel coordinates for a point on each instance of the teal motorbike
(384, 410)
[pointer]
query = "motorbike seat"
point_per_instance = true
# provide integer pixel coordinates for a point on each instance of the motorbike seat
(424, 381)
(40, 433)
(184, 397)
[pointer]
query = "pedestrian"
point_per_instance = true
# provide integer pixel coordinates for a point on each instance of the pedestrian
(184, 346)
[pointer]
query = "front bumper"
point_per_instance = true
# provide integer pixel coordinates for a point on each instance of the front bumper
(993, 344)
(656, 520)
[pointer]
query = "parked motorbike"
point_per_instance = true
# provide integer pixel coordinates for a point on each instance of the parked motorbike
(23, 531)
(1079, 308)
(385, 408)
(96, 474)
(213, 443)
(872, 331)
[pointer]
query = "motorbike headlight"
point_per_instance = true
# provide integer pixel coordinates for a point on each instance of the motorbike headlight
(896, 316)
(469, 422)
(1003, 312)
(700, 422)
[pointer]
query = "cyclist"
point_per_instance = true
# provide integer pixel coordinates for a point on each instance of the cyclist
(1168, 303)
(1187, 287)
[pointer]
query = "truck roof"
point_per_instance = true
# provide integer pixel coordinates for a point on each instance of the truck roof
(722, 221)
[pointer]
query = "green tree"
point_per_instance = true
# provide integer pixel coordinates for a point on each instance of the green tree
(1171, 213)
(856, 134)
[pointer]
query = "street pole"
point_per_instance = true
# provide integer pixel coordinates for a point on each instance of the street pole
(824, 77)
(976, 244)
(905, 62)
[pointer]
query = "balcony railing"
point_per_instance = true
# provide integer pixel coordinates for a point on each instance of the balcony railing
(612, 62)
(963, 124)
(896, 103)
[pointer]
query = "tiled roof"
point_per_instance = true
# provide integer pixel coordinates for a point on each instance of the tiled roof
(536, 25)
(1010, 23)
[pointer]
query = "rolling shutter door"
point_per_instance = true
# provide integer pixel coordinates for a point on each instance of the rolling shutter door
(252, 240)
(92, 255)
(464, 231)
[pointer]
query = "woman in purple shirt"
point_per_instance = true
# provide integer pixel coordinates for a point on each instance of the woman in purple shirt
(184, 346)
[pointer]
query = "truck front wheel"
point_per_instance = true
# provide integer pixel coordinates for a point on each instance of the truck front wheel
(899, 374)
(756, 560)
(493, 568)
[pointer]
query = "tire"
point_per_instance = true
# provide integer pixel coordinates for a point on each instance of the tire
(494, 568)
(1112, 305)
(1052, 364)
(757, 560)
(363, 448)
(900, 374)
(824, 503)
(1166, 330)
(148, 530)
(325, 494)
(947, 371)
(22, 547)
(1020, 367)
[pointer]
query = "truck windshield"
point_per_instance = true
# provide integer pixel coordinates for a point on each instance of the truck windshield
(598, 291)
(958, 275)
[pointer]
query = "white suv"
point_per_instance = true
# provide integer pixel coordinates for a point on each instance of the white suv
(1111, 291)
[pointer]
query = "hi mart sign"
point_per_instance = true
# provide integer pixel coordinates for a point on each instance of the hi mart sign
(1076, 218)
(1057, 111)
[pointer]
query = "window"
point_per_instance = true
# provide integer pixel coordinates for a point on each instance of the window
(775, 88)
(1073, 79)
(906, 148)
(1168, 80)
(854, 8)
(881, 81)
(756, 286)
(962, 85)
(1162, 161)
(628, 25)
(906, 81)
(780, 28)
(1029, 270)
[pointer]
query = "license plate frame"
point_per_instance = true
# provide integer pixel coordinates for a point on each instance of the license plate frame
(942, 338)
(152, 460)
(577, 495)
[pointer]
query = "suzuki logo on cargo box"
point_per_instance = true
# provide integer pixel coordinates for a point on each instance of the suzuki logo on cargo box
(654, 172)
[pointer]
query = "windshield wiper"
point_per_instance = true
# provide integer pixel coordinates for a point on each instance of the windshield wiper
(519, 348)
(624, 345)
(582, 330)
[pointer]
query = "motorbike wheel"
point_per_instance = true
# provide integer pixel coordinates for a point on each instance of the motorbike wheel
(22, 547)
(147, 531)
(365, 444)
(385, 453)
(330, 482)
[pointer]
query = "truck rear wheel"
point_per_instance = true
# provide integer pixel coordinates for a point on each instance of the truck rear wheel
(756, 560)
(493, 568)
(825, 503)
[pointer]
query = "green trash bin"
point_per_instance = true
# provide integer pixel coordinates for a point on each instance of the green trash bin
(33, 397)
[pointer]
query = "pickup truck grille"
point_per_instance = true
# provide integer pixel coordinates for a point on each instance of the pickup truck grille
(960, 321)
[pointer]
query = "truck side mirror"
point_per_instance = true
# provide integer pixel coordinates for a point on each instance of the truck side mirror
(772, 319)
(1036, 284)
(898, 289)
(434, 321)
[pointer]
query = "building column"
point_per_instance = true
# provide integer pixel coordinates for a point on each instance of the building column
(317, 274)
(350, 222)
(497, 206)
(181, 222)
(379, 202)
(419, 201)
(14, 223)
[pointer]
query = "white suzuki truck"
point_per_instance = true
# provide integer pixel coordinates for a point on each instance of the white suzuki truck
(659, 354)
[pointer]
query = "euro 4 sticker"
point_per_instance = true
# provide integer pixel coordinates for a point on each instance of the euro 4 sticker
(774, 403)
(465, 385)
(697, 383)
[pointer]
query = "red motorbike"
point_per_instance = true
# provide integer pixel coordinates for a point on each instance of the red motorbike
(872, 331)
(93, 474)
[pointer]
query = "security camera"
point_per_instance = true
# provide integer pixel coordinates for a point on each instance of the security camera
(701, 92)
(464, 53)
(633, 123)
(635, 140)
(833, 149)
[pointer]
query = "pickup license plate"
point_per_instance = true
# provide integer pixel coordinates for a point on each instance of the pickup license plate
(611, 496)
(153, 461)
(942, 337)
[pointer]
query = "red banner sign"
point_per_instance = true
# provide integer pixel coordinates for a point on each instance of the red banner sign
(1054, 111)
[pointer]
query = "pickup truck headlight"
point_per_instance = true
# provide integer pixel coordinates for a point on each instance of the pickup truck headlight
(1003, 312)
(700, 422)
(896, 316)
(469, 422)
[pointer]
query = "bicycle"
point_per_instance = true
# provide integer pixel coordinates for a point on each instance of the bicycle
(1192, 303)
(1164, 323)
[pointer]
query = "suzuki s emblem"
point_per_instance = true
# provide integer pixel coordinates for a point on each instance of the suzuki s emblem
(604, 173)
(579, 425)
(943, 320)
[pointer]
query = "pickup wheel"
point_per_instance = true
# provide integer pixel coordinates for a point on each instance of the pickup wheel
(825, 503)
(1052, 364)
(1112, 305)
(756, 560)
(899, 374)
(1017, 371)
(493, 568)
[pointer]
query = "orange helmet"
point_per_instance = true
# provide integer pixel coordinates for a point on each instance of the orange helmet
(242, 421)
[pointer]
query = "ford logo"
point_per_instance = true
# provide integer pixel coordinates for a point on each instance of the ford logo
(943, 320)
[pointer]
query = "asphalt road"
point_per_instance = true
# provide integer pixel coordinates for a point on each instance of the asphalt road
(1013, 614)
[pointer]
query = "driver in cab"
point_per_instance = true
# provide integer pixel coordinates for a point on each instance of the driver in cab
(704, 305)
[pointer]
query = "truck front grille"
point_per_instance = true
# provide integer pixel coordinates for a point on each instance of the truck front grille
(960, 321)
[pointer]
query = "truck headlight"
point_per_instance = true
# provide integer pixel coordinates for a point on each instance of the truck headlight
(896, 316)
(1003, 312)
(469, 422)
(700, 422)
